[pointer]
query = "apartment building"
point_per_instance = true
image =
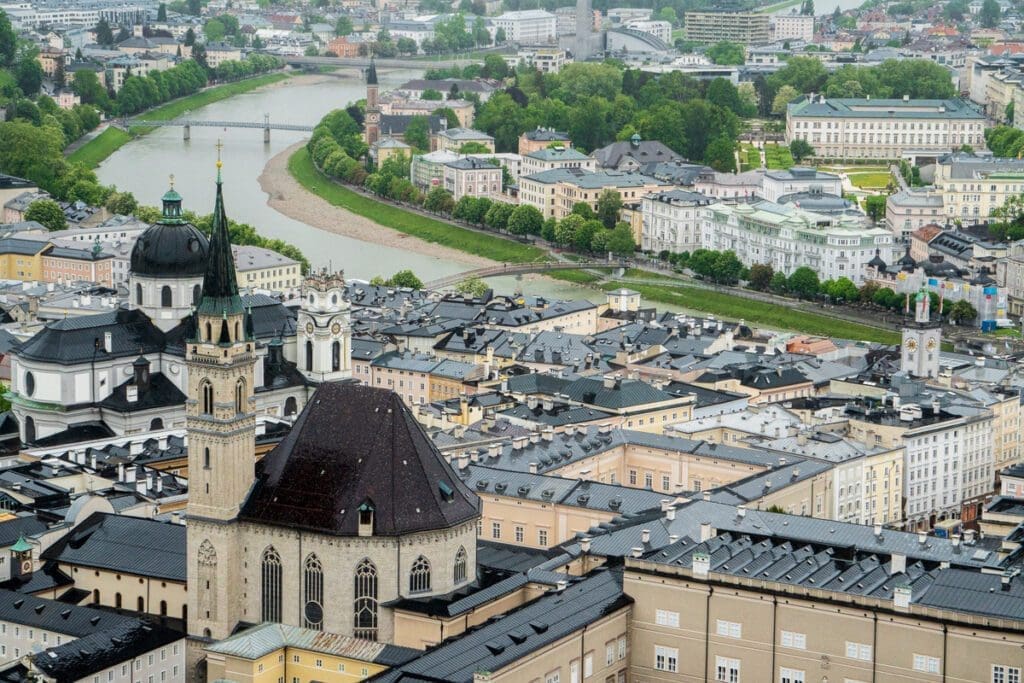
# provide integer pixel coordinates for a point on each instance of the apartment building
(527, 27)
(787, 237)
(746, 28)
(550, 158)
(909, 210)
(452, 139)
(542, 138)
(70, 263)
(850, 128)
(972, 188)
(799, 179)
(260, 268)
(672, 221)
(555, 192)
(792, 27)
(472, 177)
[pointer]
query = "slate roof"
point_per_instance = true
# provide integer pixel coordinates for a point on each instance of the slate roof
(502, 642)
(73, 340)
(54, 616)
(23, 525)
(265, 639)
(354, 445)
(161, 393)
(644, 152)
(130, 545)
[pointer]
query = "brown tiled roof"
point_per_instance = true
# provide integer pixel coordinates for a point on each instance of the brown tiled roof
(353, 446)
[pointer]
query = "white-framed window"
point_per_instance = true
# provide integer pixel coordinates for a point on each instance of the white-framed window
(858, 651)
(609, 653)
(664, 617)
(520, 534)
(790, 675)
(727, 670)
(797, 641)
(666, 658)
(495, 529)
(574, 671)
(542, 537)
(588, 665)
(553, 676)
(622, 647)
(931, 665)
(729, 629)
(1006, 674)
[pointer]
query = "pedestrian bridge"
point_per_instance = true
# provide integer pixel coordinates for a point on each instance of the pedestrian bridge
(523, 268)
(186, 125)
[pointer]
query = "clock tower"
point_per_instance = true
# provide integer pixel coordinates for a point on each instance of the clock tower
(324, 330)
(919, 354)
(372, 105)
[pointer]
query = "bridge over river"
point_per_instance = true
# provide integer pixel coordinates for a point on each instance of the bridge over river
(186, 125)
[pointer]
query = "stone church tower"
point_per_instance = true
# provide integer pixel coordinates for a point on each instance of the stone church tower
(221, 426)
(919, 355)
(324, 329)
(372, 105)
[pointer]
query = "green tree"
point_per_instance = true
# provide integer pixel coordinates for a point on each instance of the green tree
(405, 278)
(417, 133)
(474, 287)
(842, 289)
(778, 283)
(803, 74)
(723, 93)
(727, 268)
(525, 219)
(32, 152)
(620, 240)
(799, 149)
(406, 46)
(989, 14)
(439, 200)
(495, 67)
(962, 311)
(190, 37)
(565, 231)
(803, 283)
(474, 147)
(609, 205)
(668, 14)
(48, 213)
(874, 205)
(161, 12)
(760, 276)
(29, 74)
(121, 203)
(8, 41)
(497, 215)
(343, 26)
(584, 238)
(783, 97)
(104, 35)
(214, 31)
(195, 7)
(431, 94)
(726, 52)
(583, 210)
(720, 154)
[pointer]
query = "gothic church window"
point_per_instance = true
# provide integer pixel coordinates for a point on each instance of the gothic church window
(419, 578)
(206, 391)
(165, 297)
(138, 294)
(271, 585)
(313, 588)
(460, 566)
(240, 396)
(365, 606)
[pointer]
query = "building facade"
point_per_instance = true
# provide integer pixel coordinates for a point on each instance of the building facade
(746, 28)
(672, 221)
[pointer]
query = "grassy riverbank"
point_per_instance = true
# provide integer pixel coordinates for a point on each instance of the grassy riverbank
(768, 315)
(109, 141)
(301, 167)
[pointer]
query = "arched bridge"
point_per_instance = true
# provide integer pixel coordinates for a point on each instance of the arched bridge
(521, 268)
(186, 125)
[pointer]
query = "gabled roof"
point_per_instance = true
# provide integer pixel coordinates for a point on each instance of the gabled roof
(74, 340)
(355, 445)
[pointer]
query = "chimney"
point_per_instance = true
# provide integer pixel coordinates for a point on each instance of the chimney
(585, 544)
(878, 532)
(108, 342)
(1006, 580)
(548, 434)
(160, 484)
(132, 394)
(670, 514)
(140, 486)
(901, 597)
(120, 472)
(707, 532)
(149, 480)
(609, 382)
(92, 462)
(922, 537)
(955, 540)
(129, 474)
(898, 564)
(645, 536)
(741, 511)
(636, 552)
(175, 518)
(707, 496)
(494, 450)
(666, 504)
(533, 468)
(701, 564)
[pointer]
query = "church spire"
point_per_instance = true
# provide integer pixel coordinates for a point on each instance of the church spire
(220, 287)
(371, 73)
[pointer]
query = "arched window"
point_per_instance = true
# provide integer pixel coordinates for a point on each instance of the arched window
(336, 356)
(163, 608)
(225, 336)
(117, 600)
(165, 297)
(156, 423)
(207, 584)
(96, 596)
(206, 458)
(365, 606)
(271, 585)
(309, 356)
(460, 566)
(209, 333)
(334, 299)
(291, 406)
(206, 391)
(238, 330)
(138, 294)
(141, 604)
(419, 577)
(197, 293)
(30, 429)
(240, 396)
(313, 589)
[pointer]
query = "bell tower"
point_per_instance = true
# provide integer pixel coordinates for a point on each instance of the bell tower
(219, 355)
(919, 355)
(372, 104)
(324, 346)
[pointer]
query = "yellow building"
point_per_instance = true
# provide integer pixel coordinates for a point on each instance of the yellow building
(260, 268)
(270, 653)
(555, 192)
(21, 259)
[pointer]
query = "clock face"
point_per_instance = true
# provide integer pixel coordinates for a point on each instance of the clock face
(931, 345)
(372, 117)
(911, 345)
(309, 328)
(336, 328)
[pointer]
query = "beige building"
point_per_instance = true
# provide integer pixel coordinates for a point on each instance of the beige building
(542, 138)
(260, 268)
(972, 188)
(746, 28)
(473, 177)
(555, 192)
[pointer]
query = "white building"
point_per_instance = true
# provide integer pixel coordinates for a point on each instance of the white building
(657, 28)
(798, 179)
(787, 237)
(527, 27)
(672, 221)
(473, 177)
(792, 27)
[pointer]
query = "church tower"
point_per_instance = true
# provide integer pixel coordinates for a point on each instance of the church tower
(920, 351)
(219, 354)
(324, 330)
(372, 105)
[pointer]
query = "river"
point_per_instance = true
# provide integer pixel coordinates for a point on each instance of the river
(144, 165)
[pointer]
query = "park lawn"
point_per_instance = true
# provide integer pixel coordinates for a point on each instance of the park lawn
(873, 180)
(777, 157)
(109, 141)
(301, 167)
(578, 277)
(768, 315)
(100, 147)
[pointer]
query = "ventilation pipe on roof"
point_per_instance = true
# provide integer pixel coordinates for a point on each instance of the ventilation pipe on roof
(585, 544)
(636, 552)
(645, 536)
(955, 540)
(878, 532)
(898, 564)
(533, 468)
(707, 532)
(922, 537)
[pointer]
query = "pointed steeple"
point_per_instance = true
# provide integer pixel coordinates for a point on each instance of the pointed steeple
(220, 286)
(371, 73)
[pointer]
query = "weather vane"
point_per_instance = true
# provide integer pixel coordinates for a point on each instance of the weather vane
(172, 181)
(219, 146)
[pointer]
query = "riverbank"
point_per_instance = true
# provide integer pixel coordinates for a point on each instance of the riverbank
(92, 153)
(288, 194)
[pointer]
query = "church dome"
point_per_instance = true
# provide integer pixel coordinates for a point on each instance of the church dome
(171, 247)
